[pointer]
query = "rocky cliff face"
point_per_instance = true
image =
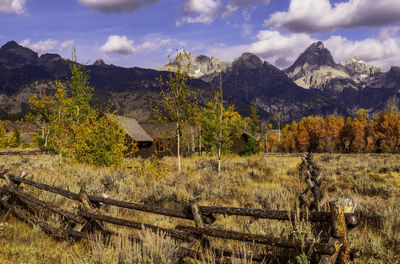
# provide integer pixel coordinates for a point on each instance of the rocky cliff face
(249, 79)
(392, 79)
(312, 59)
(359, 68)
(201, 65)
(316, 69)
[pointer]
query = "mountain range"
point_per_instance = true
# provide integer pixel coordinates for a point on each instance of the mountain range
(314, 85)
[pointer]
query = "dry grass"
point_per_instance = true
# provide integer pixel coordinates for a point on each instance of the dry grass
(262, 182)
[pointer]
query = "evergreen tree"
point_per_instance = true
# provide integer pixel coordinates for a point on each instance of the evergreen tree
(252, 144)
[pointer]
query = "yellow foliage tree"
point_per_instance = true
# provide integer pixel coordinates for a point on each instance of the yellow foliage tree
(81, 132)
(3, 139)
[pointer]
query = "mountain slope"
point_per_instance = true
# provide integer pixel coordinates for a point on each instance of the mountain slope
(135, 91)
(316, 69)
(251, 79)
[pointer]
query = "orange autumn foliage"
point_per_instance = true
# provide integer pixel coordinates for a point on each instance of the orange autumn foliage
(359, 134)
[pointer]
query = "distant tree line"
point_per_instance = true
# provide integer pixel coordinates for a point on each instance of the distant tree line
(336, 134)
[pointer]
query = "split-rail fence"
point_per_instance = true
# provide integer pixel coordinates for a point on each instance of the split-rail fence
(89, 221)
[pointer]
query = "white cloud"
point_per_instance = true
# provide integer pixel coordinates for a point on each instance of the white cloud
(123, 45)
(117, 6)
(206, 11)
(280, 50)
(389, 32)
(382, 52)
(229, 9)
(272, 46)
(118, 44)
(67, 45)
(12, 6)
(224, 52)
(45, 46)
(283, 49)
(313, 16)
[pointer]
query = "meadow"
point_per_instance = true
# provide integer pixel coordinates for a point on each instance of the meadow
(259, 181)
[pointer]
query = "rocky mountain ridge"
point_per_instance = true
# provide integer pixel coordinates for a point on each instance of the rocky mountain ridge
(201, 66)
(135, 91)
(316, 69)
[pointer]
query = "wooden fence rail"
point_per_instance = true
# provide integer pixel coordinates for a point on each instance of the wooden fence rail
(186, 213)
(89, 220)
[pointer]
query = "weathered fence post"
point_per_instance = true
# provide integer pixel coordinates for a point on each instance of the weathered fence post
(198, 218)
(92, 225)
(313, 197)
(8, 199)
(339, 229)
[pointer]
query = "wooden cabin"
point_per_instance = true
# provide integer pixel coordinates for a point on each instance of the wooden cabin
(164, 138)
(159, 139)
(134, 132)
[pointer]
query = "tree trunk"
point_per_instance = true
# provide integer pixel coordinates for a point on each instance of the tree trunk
(42, 126)
(220, 120)
(219, 156)
(193, 145)
(279, 131)
(199, 140)
(178, 138)
(46, 138)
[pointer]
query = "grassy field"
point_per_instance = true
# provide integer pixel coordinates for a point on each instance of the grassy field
(271, 182)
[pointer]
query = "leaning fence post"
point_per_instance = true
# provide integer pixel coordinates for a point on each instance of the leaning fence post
(8, 199)
(91, 225)
(198, 218)
(339, 229)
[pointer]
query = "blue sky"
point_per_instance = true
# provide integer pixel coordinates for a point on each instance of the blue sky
(143, 32)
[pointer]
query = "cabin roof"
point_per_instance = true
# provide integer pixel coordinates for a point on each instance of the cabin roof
(133, 128)
(159, 130)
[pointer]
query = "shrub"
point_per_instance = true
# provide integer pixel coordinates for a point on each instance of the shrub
(252, 146)
(79, 131)
(101, 142)
(14, 139)
(2, 136)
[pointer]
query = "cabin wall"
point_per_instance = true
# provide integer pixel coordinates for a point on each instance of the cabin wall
(150, 150)
(159, 148)
(238, 144)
